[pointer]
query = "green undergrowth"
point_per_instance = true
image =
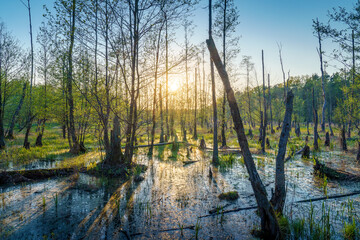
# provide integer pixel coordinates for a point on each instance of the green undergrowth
(230, 196)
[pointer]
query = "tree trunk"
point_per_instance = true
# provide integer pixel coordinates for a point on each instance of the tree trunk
(269, 224)
(263, 132)
(195, 100)
(155, 88)
(161, 117)
(278, 199)
(316, 145)
(343, 138)
(271, 118)
(358, 154)
(114, 156)
(131, 124)
(322, 79)
(327, 139)
(167, 78)
(29, 120)
(75, 147)
(2, 134)
(215, 158)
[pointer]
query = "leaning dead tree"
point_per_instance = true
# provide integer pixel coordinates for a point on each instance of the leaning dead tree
(278, 199)
(269, 223)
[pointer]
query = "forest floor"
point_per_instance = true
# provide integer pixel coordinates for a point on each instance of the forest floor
(178, 197)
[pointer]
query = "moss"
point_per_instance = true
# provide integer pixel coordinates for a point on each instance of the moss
(230, 196)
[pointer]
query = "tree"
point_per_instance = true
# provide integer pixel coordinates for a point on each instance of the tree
(30, 117)
(44, 41)
(264, 116)
(215, 157)
(278, 199)
(319, 30)
(249, 67)
(227, 18)
(269, 223)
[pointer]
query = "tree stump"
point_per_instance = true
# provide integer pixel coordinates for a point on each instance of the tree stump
(327, 139)
(297, 130)
(202, 144)
(306, 152)
(250, 133)
(268, 143)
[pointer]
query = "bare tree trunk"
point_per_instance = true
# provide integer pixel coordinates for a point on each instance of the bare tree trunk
(75, 148)
(283, 72)
(155, 88)
(278, 199)
(215, 158)
(317, 28)
(223, 122)
(316, 145)
(358, 154)
(161, 117)
(167, 78)
(2, 134)
(263, 132)
(29, 119)
(269, 223)
(343, 138)
(195, 100)
(271, 118)
(329, 118)
(129, 148)
(353, 80)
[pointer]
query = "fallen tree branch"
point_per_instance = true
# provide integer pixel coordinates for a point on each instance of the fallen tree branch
(192, 227)
(300, 201)
(296, 153)
(331, 173)
(19, 176)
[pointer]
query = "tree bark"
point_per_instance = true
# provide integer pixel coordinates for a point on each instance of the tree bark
(358, 154)
(264, 125)
(316, 145)
(271, 118)
(343, 138)
(215, 158)
(29, 118)
(2, 134)
(195, 113)
(161, 117)
(269, 224)
(75, 146)
(278, 199)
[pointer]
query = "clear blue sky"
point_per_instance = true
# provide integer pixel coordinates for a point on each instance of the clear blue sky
(264, 23)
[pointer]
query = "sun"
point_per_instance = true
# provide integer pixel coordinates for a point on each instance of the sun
(173, 86)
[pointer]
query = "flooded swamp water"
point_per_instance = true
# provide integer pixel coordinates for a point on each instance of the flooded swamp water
(173, 201)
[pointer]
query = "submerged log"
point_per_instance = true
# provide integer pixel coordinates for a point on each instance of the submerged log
(335, 174)
(19, 176)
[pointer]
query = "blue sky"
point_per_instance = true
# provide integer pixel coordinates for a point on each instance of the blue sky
(264, 23)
